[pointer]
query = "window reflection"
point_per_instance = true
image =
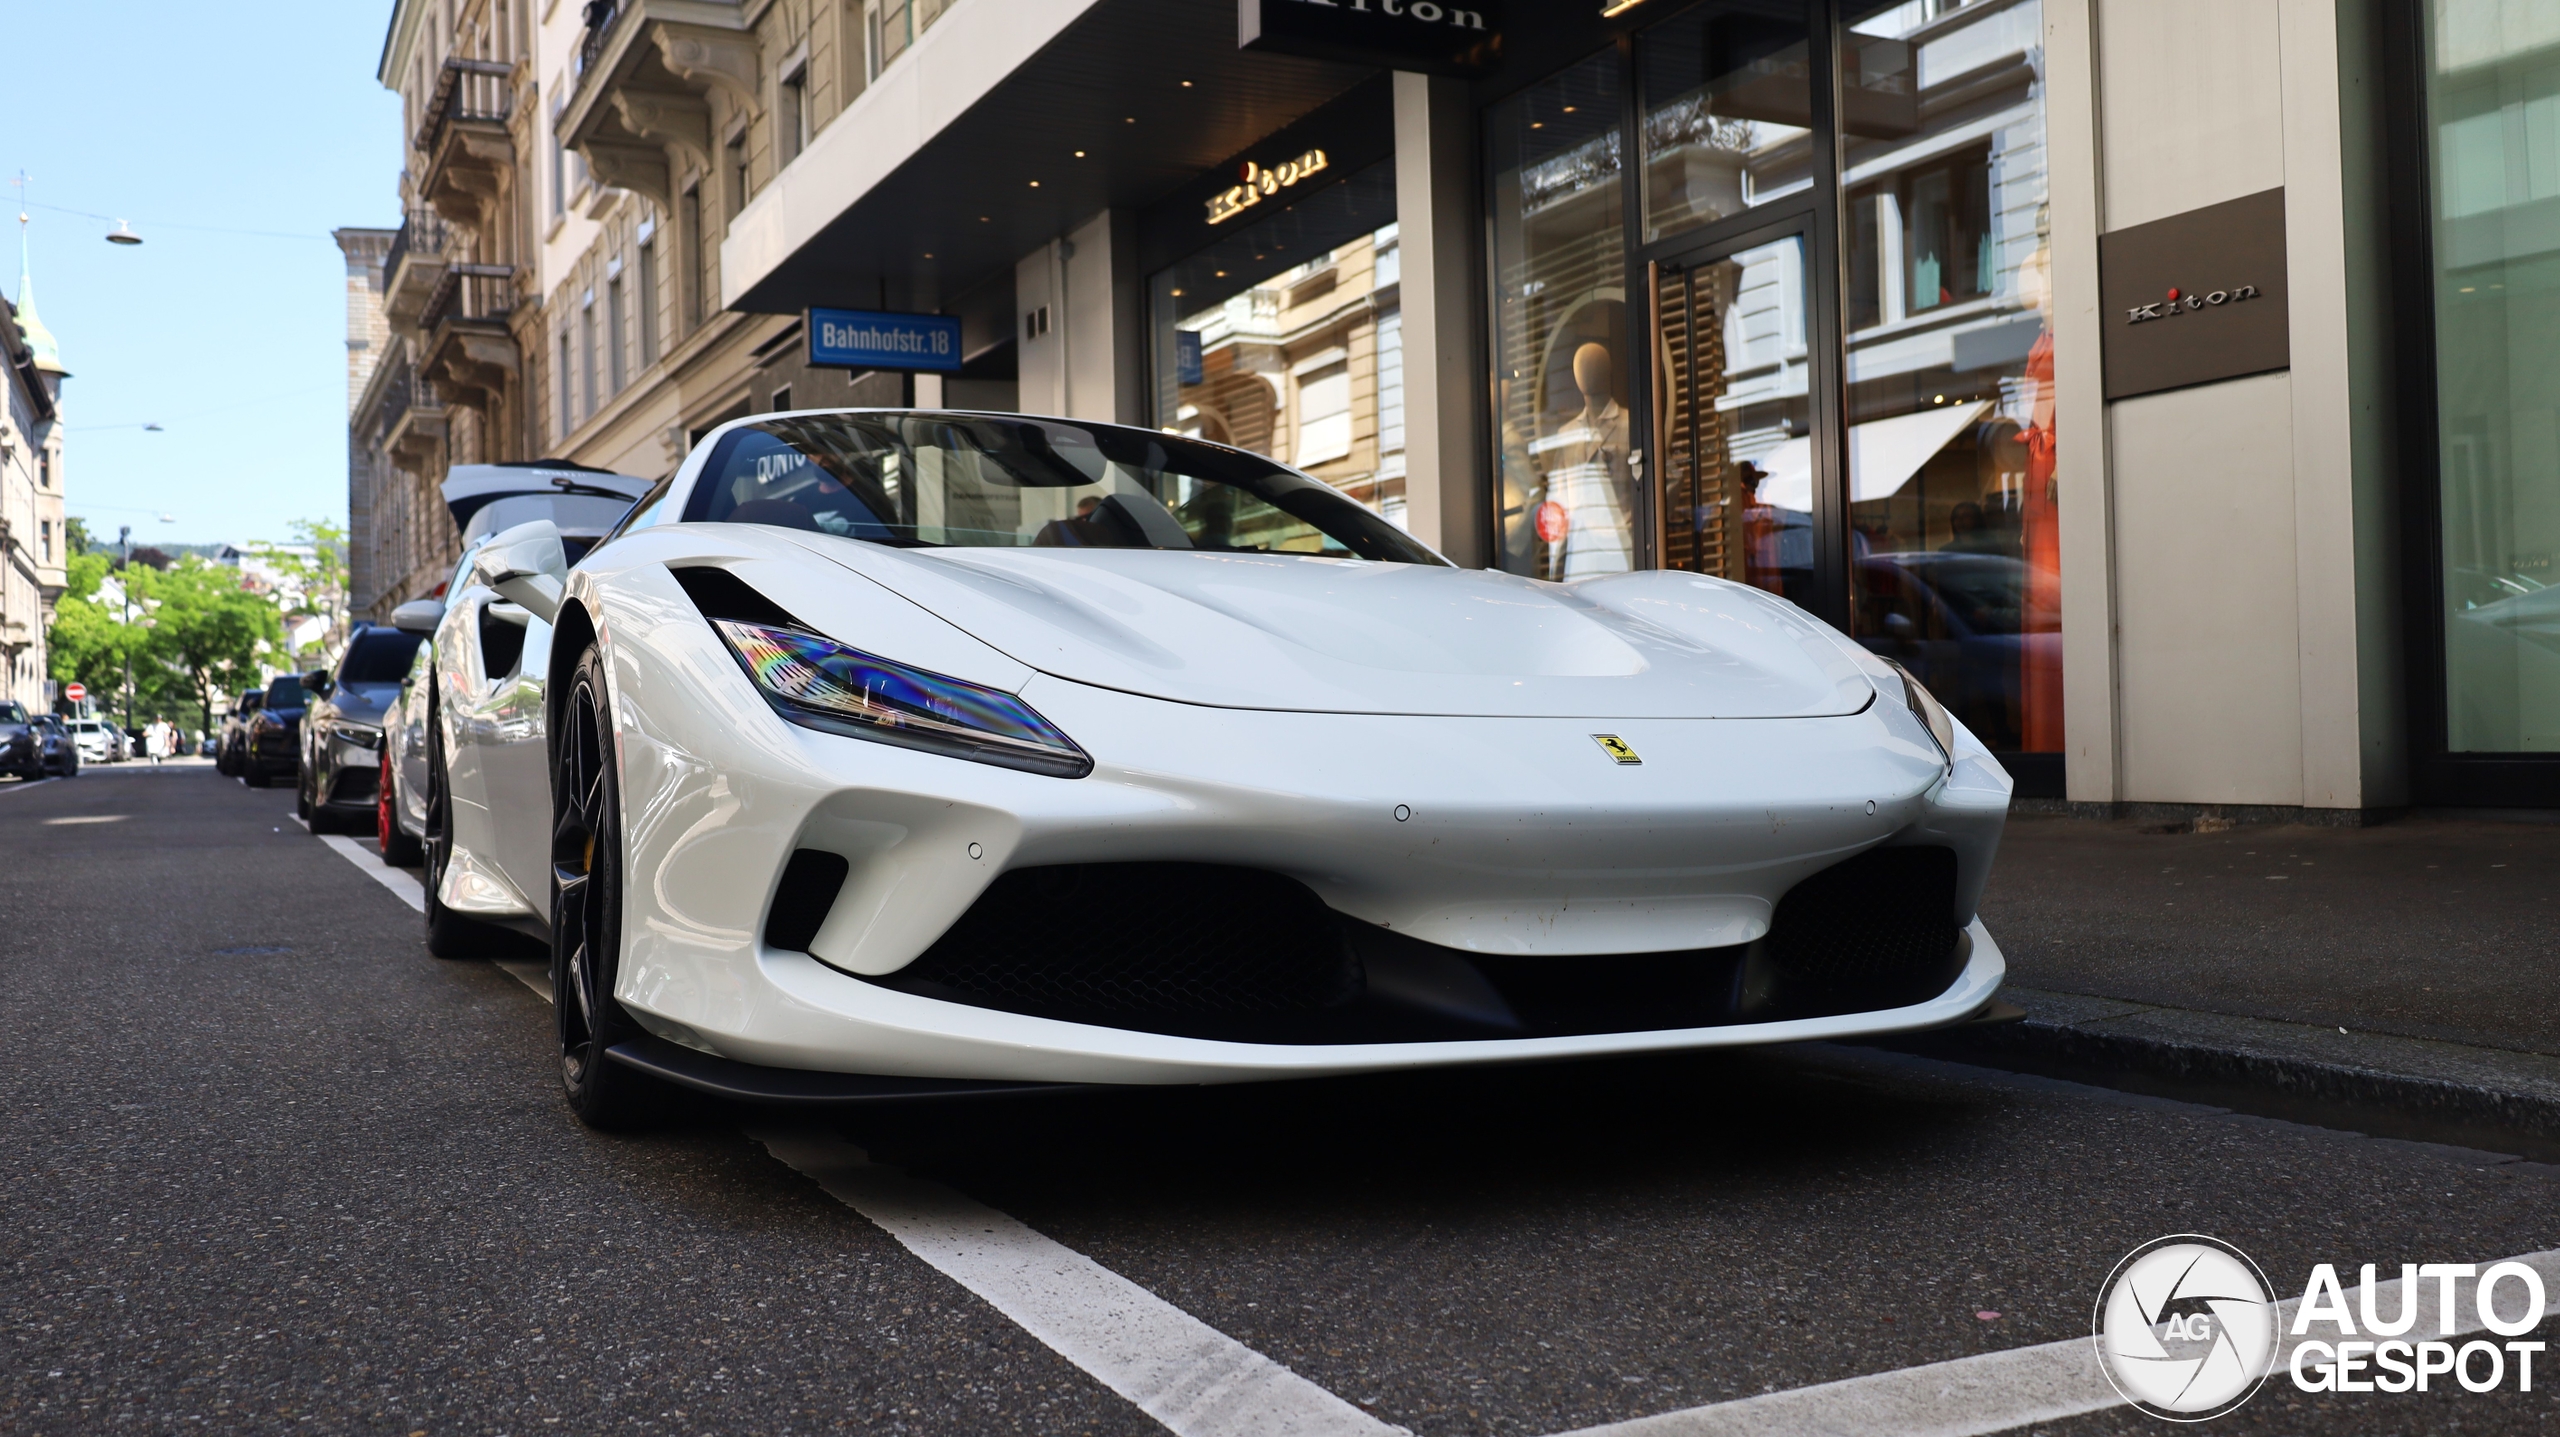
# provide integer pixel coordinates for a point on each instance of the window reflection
(1955, 535)
(1731, 409)
(1727, 93)
(1568, 466)
(2493, 104)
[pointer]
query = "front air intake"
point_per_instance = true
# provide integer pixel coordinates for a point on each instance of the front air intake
(1876, 931)
(1194, 948)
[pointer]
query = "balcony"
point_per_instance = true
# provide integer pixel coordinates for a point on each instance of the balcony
(411, 417)
(470, 353)
(414, 267)
(468, 155)
(639, 114)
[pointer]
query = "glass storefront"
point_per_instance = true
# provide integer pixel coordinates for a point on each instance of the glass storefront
(1953, 528)
(1286, 338)
(2493, 135)
(1694, 326)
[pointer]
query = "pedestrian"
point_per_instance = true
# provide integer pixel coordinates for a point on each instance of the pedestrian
(155, 740)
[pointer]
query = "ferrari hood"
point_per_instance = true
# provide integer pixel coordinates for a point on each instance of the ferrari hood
(1320, 635)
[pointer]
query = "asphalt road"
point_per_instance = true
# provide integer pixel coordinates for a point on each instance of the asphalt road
(267, 1166)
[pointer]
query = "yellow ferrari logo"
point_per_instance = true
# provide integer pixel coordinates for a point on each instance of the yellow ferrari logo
(1616, 747)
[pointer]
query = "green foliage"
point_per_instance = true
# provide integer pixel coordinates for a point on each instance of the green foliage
(88, 640)
(75, 532)
(314, 584)
(205, 631)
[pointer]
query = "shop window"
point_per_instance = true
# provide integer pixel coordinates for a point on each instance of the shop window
(1727, 99)
(1324, 414)
(1566, 463)
(1954, 517)
(2492, 98)
(1270, 340)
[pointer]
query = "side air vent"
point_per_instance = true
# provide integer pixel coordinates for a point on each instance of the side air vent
(720, 594)
(810, 882)
(1877, 931)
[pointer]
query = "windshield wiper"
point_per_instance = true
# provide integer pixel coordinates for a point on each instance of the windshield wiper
(598, 491)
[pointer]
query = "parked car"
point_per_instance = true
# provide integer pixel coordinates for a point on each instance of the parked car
(21, 744)
(275, 734)
(231, 744)
(584, 505)
(59, 750)
(340, 779)
(1009, 750)
(204, 746)
(98, 740)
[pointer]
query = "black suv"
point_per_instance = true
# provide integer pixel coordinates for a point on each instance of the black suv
(341, 735)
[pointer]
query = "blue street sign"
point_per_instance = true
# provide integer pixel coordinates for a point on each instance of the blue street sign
(867, 339)
(1186, 357)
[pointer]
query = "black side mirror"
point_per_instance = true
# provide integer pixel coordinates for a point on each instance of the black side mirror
(318, 682)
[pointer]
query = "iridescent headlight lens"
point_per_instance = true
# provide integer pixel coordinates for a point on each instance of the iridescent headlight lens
(821, 684)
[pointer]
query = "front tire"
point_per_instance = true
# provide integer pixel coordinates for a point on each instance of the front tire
(586, 913)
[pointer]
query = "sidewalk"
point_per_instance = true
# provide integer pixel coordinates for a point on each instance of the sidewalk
(2224, 964)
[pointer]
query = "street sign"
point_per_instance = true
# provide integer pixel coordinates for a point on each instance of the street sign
(75, 692)
(870, 339)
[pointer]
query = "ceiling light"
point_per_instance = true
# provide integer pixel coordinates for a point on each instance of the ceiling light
(1079, 154)
(1035, 184)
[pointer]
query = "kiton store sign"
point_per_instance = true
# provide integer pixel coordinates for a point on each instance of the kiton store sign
(1261, 182)
(1453, 38)
(867, 339)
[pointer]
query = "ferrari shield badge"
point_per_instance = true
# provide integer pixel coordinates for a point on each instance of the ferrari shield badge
(1616, 747)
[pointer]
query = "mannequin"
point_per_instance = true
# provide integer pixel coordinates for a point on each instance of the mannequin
(1585, 467)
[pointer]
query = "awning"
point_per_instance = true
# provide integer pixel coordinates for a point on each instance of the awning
(1883, 455)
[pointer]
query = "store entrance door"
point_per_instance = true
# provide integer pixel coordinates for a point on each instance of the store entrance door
(1733, 482)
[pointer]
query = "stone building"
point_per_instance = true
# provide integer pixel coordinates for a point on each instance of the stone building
(459, 365)
(34, 546)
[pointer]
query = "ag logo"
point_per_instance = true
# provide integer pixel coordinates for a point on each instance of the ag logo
(2185, 1329)
(1616, 747)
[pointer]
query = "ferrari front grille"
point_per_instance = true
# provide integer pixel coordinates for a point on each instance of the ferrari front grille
(1877, 931)
(1157, 947)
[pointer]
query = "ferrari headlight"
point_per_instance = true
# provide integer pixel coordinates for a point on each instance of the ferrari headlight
(821, 684)
(1932, 714)
(364, 736)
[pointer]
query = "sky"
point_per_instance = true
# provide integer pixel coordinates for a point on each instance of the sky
(171, 113)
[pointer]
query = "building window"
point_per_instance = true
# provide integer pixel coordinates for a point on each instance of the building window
(559, 156)
(791, 115)
(781, 399)
(587, 352)
(734, 166)
(617, 334)
(890, 28)
(2491, 101)
(648, 301)
(1324, 413)
(568, 395)
(44, 529)
(689, 221)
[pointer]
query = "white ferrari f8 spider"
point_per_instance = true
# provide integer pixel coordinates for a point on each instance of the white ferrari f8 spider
(886, 753)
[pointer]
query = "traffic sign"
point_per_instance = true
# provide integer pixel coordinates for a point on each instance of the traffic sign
(75, 692)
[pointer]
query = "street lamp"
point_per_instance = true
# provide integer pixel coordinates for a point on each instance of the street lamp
(124, 584)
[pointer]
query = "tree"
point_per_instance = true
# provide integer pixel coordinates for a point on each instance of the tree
(87, 641)
(75, 535)
(205, 632)
(313, 585)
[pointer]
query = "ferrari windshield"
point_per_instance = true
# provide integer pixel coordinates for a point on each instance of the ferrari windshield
(1003, 480)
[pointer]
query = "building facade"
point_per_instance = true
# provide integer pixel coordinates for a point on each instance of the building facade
(34, 545)
(458, 371)
(2180, 411)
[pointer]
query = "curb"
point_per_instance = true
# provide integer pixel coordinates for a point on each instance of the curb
(2381, 1084)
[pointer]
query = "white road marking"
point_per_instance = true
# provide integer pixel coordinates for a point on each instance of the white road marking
(22, 785)
(1179, 1370)
(2001, 1391)
(411, 891)
(86, 818)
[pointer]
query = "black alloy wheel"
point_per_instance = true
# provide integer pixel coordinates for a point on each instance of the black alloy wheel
(450, 934)
(586, 913)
